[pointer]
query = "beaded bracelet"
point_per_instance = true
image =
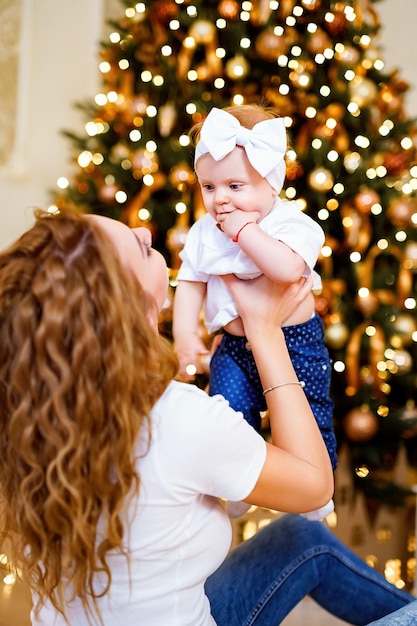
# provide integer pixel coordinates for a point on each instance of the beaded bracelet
(236, 237)
(294, 382)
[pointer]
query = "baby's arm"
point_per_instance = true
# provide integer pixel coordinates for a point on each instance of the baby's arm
(188, 302)
(273, 257)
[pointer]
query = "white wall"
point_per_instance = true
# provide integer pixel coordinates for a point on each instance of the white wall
(397, 39)
(60, 67)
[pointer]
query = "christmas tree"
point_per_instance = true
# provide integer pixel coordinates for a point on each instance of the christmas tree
(351, 165)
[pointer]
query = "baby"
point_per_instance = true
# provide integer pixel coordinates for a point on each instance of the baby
(249, 230)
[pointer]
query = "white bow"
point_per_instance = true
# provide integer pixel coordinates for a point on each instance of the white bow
(265, 144)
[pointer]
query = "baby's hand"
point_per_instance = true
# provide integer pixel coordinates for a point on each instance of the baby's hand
(232, 222)
(193, 356)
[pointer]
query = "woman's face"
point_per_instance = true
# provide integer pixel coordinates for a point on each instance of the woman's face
(134, 246)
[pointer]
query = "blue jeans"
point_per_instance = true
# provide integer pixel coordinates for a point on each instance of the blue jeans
(407, 616)
(233, 374)
(263, 578)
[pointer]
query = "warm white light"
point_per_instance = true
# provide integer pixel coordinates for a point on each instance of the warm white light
(189, 42)
(84, 159)
(104, 67)
(135, 135)
(114, 37)
(184, 140)
(191, 108)
(181, 208)
(406, 143)
(100, 99)
(144, 214)
(362, 141)
(62, 183)
(146, 76)
(148, 180)
(151, 111)
(120, 197)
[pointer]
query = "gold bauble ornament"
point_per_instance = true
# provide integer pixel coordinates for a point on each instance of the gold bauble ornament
(338, 24)
(348, 55)
(390, 100)
(321, 179)
(181, 176)
(396, 163)
(176, 237)
(400, 211)
(311, 5)
(167, 118)
(367, 304)
(202, 31)
(336, 334)
(301, 76)
(363, 91)
(144, 162)
(318, 42)
(107, 193)
(228, 9)
(163, 11)
(404, 326)
(270, 46)
(365, 200)
(403, 361)
(360, 424)
(237, 67)
(410, 254)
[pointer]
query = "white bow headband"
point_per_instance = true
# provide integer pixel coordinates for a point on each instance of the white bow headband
(265, 144)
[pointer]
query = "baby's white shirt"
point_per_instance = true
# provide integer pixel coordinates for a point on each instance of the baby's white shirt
(208, 254)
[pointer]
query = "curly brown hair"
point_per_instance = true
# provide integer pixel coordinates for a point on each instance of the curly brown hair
(80, 369)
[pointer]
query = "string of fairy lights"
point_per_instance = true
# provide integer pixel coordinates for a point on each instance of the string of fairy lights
(144, 162)
(138, 155)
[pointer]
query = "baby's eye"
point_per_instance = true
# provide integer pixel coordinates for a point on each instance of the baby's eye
(208, 187)
(235, 185)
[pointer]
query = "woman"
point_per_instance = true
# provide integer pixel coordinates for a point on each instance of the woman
(111, 471)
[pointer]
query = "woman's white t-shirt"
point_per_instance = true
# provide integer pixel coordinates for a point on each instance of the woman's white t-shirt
(178, 532)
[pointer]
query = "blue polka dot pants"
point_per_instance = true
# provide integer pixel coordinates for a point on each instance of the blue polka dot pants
(234, 375)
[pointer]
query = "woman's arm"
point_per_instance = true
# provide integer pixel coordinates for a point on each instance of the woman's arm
(297, 474)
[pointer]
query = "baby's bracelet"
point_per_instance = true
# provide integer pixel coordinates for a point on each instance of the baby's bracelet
(236, 237)
(294, 382)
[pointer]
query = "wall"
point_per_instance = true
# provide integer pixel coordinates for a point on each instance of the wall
(58, 66)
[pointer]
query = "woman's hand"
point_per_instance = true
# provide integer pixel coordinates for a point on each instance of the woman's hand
(263, 303)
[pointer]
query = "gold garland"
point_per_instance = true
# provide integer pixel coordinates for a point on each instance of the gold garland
(376, 354)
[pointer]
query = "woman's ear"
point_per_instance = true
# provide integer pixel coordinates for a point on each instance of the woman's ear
(153, 321)
(152, 312)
